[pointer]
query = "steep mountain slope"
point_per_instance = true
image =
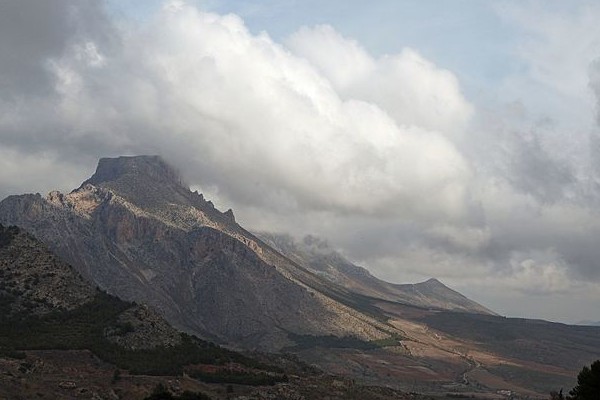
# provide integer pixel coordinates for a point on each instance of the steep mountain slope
(36, 286)
(35, 281)
(136, 231)
(60, 338)
(326, 262)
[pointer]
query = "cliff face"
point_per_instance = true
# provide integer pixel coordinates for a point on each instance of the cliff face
(136, 231)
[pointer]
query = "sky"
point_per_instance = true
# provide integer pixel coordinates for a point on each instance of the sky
(458, 140)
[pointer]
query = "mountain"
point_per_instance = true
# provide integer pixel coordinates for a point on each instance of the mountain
(60, 337)
(135, 230)
(320, 258)
(47, 308)
(138, 232)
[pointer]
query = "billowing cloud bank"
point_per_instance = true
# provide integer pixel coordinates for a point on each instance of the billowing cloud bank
(383, 155)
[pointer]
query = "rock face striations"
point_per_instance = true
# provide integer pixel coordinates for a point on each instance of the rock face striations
(138, 232)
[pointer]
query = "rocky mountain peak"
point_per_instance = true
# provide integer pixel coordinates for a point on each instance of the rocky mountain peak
(229, 214)
(146, 181)
(152, 185)
(432, 282)
(142, 168)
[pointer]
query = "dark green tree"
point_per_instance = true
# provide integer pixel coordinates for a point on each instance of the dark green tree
(116, 376)
(160, 392)
(588, 383)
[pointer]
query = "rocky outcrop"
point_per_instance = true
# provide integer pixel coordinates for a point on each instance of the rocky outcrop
(140, 327)
(35, 281)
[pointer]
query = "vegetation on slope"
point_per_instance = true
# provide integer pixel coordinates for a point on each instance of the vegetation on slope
(92, 324)
(84, 327)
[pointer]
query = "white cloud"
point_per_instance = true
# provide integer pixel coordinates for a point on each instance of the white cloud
(559, 44)
(556, 46)
(467, 238)
(240, 106)
(32, 171)
(408, 87)
(542, 272)
(343, 61)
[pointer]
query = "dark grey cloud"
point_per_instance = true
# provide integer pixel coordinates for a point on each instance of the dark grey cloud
(536, 172)
(30, 33)
(34, 36)
(33, 32)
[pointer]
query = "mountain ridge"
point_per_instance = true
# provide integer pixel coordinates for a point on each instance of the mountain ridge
(329, 263)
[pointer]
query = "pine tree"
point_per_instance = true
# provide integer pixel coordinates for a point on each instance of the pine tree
(588, 383)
